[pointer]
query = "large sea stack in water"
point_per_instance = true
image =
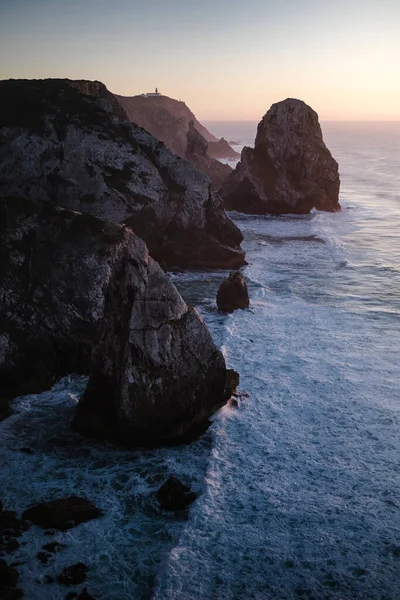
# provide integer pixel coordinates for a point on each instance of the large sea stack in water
(289, 170)
(80, 294)
(71, 143)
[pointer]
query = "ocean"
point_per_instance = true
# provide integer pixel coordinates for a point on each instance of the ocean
(299, 488)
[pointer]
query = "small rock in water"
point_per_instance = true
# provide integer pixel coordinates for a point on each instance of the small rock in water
(73, 575)
(174, 495)
(53, 547)
(232, 293)
(62, 514)
(10, 528)
(8, 582)
(26, 450)
(232, 380)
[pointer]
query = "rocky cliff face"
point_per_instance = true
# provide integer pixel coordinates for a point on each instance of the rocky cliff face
(165, 118)
(197, 154)
(169, 121)
(222, 149)
(290, 170)
(72, 282)
(67, 142)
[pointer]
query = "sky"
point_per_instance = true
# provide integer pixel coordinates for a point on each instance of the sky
(227, 59)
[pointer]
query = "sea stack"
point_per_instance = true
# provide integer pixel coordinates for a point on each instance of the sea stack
(289, 170)
(232, 293)
(81, 294)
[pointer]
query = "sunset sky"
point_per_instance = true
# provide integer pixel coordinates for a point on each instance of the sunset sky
(228, 59)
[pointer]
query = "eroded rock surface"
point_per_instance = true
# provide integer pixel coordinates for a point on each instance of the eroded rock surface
(197, 152)
(72, 283)
(222, 149)
(168, 120)
(289, 170)
(67, 142)
(232, 294)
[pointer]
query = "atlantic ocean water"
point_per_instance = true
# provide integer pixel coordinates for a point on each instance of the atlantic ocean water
(299, 488)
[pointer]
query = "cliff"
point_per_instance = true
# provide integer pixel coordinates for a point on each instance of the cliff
(197, 154)
(169, 121)
(72, 282)
(289, 170)
(70, 143)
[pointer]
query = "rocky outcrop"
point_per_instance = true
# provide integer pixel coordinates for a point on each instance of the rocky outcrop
(170, 121)
(233, 294)
(63, 513)
(175, 495)
(67, 142)
(72, 283)
(222, 149)
(73, 575)
(197, 154)
(156, 374)
(289, 170)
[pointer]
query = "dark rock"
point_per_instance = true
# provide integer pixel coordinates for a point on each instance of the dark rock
(174, 495)
(8, 581)
(11, 527)
(73, 575)
(232, 380)
(222, 149)
(1, 507)
(5, 409)
(71, 595)
(53, 547)
(232, 293)
(290, 170)
(233, 403)
(26, 450)
(62, 514)
(197, 152)
(83, 156)
(71, 281)
(84, 595)
(8, 575)
(43, 557)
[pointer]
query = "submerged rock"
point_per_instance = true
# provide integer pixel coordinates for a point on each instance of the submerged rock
(11, 528)
(289, 170)
(174, 495)
(73, 575)
(232, 293)
(71, 143)
(62, 514)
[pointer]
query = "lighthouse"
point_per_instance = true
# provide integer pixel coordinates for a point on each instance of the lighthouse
(152, 94)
